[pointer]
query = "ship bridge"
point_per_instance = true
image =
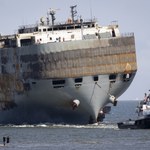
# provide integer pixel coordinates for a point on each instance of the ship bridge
(71, 30)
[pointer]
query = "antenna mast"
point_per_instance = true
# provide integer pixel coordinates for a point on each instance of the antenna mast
(91, 11)
(73, 12)
(52, 13)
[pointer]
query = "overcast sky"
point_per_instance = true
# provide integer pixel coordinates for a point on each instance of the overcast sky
(132, 16)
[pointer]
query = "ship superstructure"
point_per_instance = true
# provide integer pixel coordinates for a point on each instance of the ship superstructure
(63, 72)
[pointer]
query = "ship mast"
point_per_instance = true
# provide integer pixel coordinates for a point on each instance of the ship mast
(73, 12)
(53, 18)
(51, 12)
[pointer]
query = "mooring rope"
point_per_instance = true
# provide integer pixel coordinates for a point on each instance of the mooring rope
(103, 89)
(93, 92)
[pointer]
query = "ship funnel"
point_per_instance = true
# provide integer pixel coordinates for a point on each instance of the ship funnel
(113, 100)
(75, 103)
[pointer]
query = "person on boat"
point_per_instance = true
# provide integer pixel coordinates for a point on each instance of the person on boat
(148, 97)
(145, 98)
(139, 109)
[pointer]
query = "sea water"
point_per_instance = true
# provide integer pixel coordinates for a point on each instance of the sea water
(105, 136)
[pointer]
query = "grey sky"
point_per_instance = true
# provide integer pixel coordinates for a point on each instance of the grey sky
(132, 16)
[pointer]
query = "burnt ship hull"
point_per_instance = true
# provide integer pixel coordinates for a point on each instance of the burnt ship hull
(39, 83)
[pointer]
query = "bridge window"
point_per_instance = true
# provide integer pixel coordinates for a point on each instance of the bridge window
(49, 29)
(44, 30)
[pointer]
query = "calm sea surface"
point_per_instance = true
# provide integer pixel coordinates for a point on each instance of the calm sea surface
(71, 137)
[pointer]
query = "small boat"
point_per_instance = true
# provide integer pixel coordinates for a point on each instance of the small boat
(143, 120)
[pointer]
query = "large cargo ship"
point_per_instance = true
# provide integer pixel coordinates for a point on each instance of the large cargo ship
(63, 72)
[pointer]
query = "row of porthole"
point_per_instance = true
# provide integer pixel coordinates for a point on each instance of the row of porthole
(95, 78)
(76, 80)
(126, 77)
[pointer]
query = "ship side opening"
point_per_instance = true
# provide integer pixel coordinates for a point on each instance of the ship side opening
(58, 83)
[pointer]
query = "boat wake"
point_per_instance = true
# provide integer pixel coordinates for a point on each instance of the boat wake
(101, 126)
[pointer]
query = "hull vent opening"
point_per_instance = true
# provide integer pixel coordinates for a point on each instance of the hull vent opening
(78, 80)
(95, 78)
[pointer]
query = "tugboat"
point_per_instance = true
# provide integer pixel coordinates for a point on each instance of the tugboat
(143, 120)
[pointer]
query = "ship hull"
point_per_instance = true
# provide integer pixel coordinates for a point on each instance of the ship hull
(39, 83)
(46, 104)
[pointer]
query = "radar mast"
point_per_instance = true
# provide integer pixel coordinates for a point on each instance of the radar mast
(73, 13)
(51, 13)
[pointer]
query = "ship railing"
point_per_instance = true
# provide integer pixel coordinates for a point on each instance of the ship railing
(28, 26)
(4, 37)
(56, 23)
(129, 34)
(114, 23)
(90, 20)
(77, 21)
